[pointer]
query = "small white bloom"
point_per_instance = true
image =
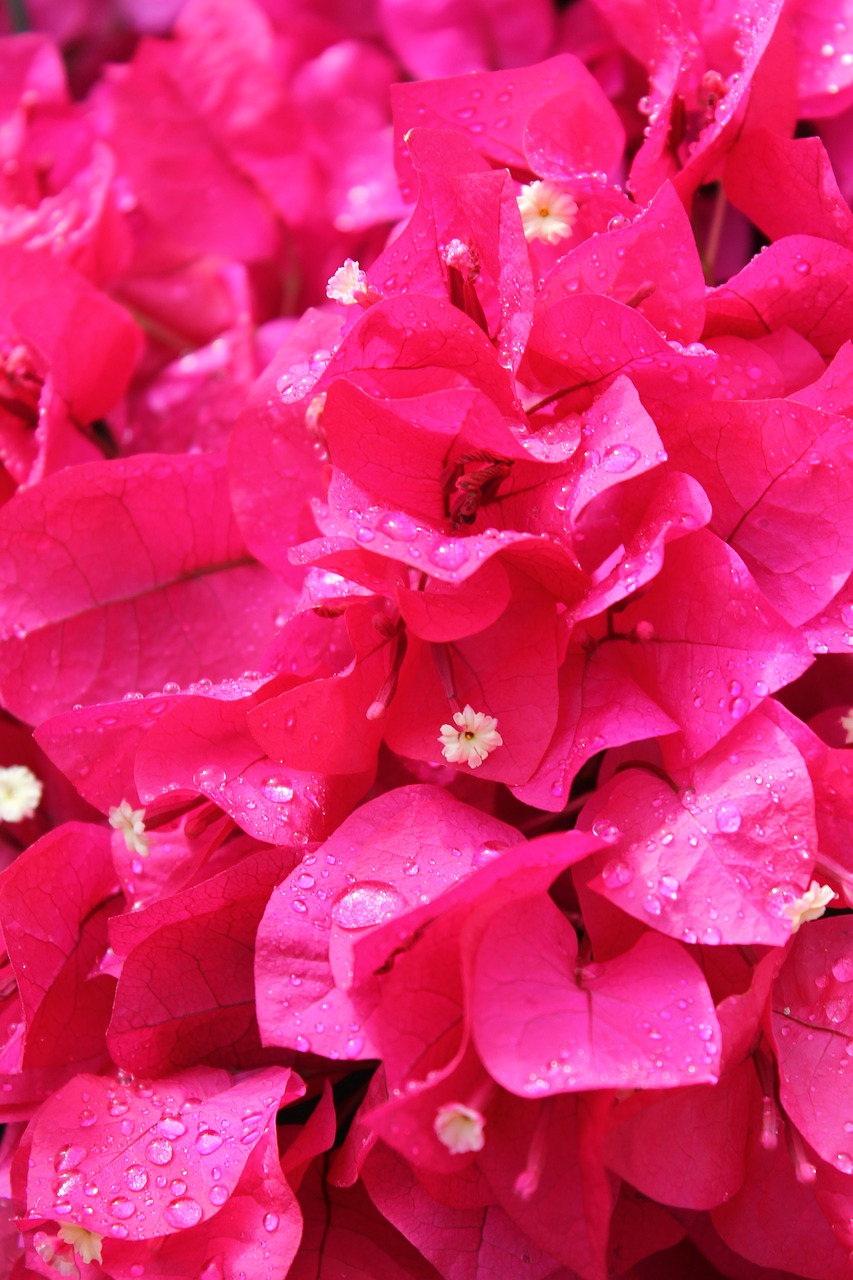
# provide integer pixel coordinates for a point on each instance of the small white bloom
(475, 736)
(847, 726)
(86, 1244)
(459, 1128)
(547, 213)
(810, 906)
(131, 824)
(348, 285)
(20, 793)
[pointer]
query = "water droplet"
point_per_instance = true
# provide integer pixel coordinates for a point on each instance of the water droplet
(121, 1207)
(617, 873)
(837, 1010)
(448, 555)
(397, 526)
(271, 1221)
(842, 969)
(367, 903)
(354, 1047)
(727, 817)
(277, 789)
(669, 887)
(208, 1141)
(484, 855)
(183, 1212)
(69, 1157)
(738, 707)
(159, 1151)
(136, 1177)
(843, 1162)
(217, 1194)
(652, 904)
(209, 777)
(606, 831)
(171, 1127)
(86, 1118)
(619, 458)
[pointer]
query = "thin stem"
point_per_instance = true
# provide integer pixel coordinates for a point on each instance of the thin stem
(715, 231)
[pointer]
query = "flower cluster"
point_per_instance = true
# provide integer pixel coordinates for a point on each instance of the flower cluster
(426, 640)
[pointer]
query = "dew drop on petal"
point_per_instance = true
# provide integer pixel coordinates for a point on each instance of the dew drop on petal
(208, 1141)
(727, 817)
(837, 1010)
(183, 1212)
(617, 873)
(450, 555)
(159, 1151)
(121, 1207)
(620, 458)
(368, 903)
(136, 1177)
(171, 1127)
(69, 1157)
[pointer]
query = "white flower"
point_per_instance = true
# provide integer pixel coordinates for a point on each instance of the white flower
(475, 736)
(130, 822)
(348, 284)
(86, 1244)
(20, 793)
(459, 1128)
(810, 906)
(547, 213)
(847, 726)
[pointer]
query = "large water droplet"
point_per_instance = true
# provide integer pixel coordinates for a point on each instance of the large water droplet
(620, 458)
(367, 903)
(171, 1127)
(617, 873)
(277, 789)
(209, 777)
(448, 555)
(69, 1157)
(842, 969)
(606, 831)
(727, 817)
(183, 1212)
(217, 1194)
(121, 1207)
(159, 1151)
(837, 1010)
(136, 1177)
(398, 526)
(271, 1221)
